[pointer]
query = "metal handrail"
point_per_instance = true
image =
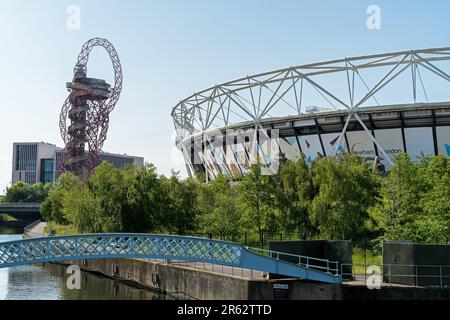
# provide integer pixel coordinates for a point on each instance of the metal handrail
(386, 272)
(31, 225)
(308, 264)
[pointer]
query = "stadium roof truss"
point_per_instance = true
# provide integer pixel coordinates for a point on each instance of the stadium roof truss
(346, 84)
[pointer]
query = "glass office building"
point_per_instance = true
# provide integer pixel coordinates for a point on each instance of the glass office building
(28, 164)
(35, 162)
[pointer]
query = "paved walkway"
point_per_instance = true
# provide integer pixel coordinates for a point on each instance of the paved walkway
(38, 230)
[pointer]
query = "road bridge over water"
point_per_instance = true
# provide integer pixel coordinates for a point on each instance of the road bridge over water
(21, 210)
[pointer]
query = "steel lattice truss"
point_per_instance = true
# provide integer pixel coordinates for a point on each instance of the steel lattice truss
(88, 107)
(345, 84)
(102, 246)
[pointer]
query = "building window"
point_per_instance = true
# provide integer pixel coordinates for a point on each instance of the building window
(30, 177)
(26, 155)
(17, 157)
(46, 170)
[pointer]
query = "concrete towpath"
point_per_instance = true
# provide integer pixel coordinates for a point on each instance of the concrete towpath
(35, 230)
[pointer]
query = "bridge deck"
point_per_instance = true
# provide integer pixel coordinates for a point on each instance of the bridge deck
(20, 206)
(101, 246)
(21, 210)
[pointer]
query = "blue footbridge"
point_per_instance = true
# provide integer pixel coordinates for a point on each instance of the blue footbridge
(150, 246)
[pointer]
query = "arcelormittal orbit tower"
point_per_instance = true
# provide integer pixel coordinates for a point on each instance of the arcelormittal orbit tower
(87, 108)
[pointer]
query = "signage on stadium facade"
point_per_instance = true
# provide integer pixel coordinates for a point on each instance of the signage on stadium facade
(360, 143)
(392, 142)
(311, 147)
(443, 140)
(419, 142)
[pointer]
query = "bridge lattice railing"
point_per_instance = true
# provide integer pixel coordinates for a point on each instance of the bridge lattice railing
(110, 246)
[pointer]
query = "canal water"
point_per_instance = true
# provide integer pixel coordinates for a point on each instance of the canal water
(48, 282)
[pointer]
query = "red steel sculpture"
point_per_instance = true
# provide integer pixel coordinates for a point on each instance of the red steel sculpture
(87, 107)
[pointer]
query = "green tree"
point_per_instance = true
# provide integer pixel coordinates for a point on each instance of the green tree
(108, 188)
(401, 203)
(347, 188)
(24, 192)
(432, 225)
(296, 193)
(436, 175)
(181, 211)
(425, 218)
(146, 200)
(82, 209)
(52, 207)
(218, 202)
(258, 195)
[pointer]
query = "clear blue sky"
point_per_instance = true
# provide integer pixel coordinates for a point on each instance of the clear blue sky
(170, 49)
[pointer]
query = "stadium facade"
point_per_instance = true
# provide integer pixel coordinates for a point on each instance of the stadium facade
(35, 162)
(377, 106)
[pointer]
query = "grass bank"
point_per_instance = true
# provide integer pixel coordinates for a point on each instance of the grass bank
(362, 258)
(6, 217)
(59, 229)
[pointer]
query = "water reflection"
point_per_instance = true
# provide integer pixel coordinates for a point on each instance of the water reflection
(10, 231)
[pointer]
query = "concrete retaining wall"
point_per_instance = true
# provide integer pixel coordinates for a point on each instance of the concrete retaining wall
(398, 253)
(172, 279)
(205, 285)
(426, 263)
